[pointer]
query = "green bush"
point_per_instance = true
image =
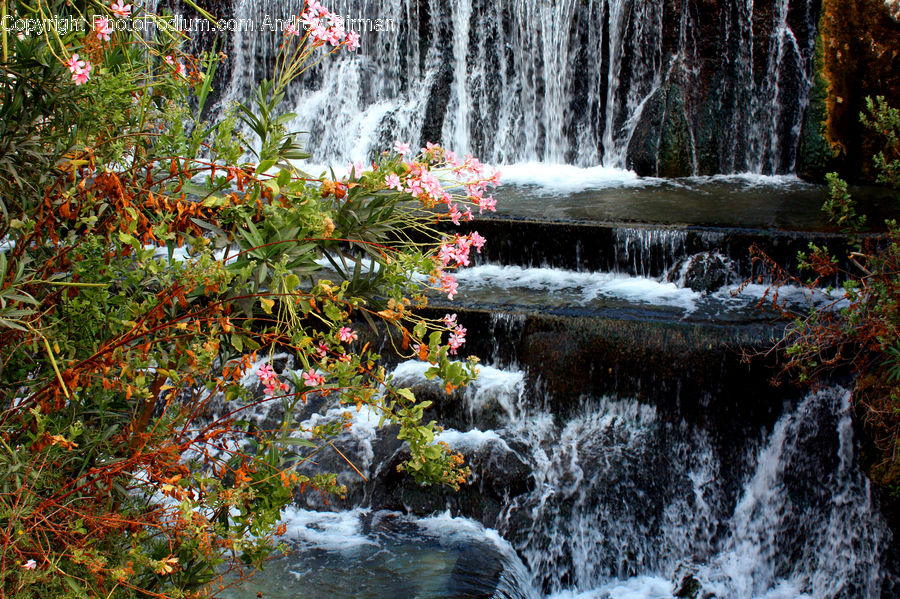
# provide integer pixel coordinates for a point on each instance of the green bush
(146, 270)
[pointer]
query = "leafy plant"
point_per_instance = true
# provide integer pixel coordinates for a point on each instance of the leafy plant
(859, 335)
(148, 272)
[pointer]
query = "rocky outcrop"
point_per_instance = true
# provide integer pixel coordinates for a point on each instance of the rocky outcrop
(705, 272)
(860, 58)
(662, 145)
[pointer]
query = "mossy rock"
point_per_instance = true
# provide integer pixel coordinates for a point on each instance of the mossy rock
(814, 155)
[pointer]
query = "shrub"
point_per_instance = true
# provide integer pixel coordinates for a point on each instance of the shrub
(147, 271)
(861, 335)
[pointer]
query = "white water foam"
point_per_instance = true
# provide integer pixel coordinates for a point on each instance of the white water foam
(336, 531)
(587, 285)
(582, 288)
(567, 178)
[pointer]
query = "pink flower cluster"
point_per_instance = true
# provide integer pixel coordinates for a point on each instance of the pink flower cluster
(120, 9)
(458, 250)
(346, 334)
(325, 27)
(458, 336)
(453, 254)
(270, 382)
(420, 181)
(81, 69)
(103, 28)
(313, 379)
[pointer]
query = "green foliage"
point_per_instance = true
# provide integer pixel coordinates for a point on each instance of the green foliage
(884, 120)
(147, 272)
(862, 335)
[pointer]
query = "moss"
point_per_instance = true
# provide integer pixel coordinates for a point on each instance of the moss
(675, 144)
(815, 156)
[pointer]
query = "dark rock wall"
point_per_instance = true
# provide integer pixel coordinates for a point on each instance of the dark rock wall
(860, 57)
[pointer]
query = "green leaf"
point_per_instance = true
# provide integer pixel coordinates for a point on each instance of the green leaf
(265, 165)
(300, 442)
(406, 393)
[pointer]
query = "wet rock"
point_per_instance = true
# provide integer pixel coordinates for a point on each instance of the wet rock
(661, 144)
(675, 145)
(476, 573)
(705, 272)
(687, 585)
(643, 148)
(688, 588)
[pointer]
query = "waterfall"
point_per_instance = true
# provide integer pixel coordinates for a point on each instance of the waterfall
(621, 497)
(554, 81)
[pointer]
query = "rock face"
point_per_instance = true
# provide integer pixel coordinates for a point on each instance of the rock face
(731, 91)
(860, 42)
(662, 142)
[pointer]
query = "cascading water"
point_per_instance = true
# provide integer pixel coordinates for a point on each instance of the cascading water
(626, 502)
(555, 81)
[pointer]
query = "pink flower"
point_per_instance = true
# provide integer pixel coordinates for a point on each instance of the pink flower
(29, 565)
(169, 59)
(181, 70)
(355, 169)
(446, 253)
(265, 372)
(489, 204)
(449, 285)
(477, 240)
(393, 182)
(352, 40)
(322, 350)
(312, 379)
(401, 148)
(75, 65)
(455, 342)
(121, 9)
(462, 256)
(450, 320)
(320, 32)
(344, 358)
(432, 150)
(455, 214)
(311, 21)
(336, 35)
(291, 30)
(347, 335)
(314, 6)
(103, 28)
(82, 76)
